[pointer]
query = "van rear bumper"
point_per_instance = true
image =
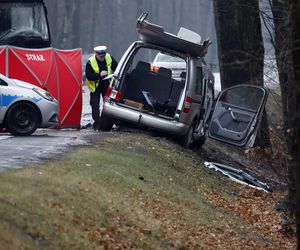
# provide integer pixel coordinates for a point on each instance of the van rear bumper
(143, 119)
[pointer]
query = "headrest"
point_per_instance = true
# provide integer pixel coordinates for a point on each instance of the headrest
(183, 75)
(143, 66)
(164, 72)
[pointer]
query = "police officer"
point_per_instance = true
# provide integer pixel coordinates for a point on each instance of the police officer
(100, 65)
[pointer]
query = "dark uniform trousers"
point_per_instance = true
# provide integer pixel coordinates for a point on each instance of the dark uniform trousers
(95, 101)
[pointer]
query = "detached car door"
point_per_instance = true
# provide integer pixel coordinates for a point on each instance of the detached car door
(237, 115)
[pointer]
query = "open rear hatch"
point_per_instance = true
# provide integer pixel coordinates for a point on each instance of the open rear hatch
(152, 87)
(155, 34)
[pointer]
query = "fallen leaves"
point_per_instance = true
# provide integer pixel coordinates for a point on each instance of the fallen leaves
(257, 208)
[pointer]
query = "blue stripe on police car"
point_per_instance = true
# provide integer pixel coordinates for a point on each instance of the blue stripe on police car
(8, 99)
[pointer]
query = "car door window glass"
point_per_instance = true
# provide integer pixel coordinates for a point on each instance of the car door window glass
(245, 97)
(172, 62)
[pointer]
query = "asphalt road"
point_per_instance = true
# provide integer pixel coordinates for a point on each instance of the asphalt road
(44, 144)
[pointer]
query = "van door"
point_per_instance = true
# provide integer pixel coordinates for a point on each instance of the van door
(199, 98)
(237, 115)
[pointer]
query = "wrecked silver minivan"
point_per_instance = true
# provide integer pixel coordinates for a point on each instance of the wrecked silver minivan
(175, 99)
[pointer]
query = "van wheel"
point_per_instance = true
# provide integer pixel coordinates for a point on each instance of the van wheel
(22, 119)
(187, 140)
(200, 141)
(106, 123)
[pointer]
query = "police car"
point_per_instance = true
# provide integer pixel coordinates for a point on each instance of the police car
(25, 107)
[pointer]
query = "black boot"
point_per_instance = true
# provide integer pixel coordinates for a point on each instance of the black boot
(96, 125)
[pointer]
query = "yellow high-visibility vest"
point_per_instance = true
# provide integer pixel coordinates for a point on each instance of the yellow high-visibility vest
(92, 85)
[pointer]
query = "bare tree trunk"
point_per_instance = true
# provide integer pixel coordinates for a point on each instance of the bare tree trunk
(240, 43)
(284, 60)
(241, 50)
(294, 98)
(75, 23)
(282, 47)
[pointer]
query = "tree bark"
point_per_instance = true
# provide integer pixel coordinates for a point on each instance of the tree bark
(294, 99)
(240, 43)
(284, 60)
(282, 47)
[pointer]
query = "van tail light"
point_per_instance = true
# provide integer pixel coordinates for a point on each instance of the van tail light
(187, 104)
(113, 94)
(108, 91)
(154, 68)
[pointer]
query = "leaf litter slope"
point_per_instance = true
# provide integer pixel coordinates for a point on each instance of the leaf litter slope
(133, 191)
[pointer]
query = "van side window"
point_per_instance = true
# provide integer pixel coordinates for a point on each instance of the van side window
(3, 83)
(199, 81)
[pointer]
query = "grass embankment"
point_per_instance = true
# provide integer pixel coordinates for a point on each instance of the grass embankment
(130, 191)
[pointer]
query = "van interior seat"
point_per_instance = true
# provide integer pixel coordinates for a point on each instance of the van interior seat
(164, 83)
(134, 82)
(177, 88)
(175, 93)
(183, 75)
(141, 65)
(164, 72)
(165, 90)
(143, 79)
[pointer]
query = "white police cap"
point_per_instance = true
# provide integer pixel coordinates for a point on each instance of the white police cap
(100, 50)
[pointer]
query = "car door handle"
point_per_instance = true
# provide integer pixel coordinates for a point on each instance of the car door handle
(244, 119)
(232, 115)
